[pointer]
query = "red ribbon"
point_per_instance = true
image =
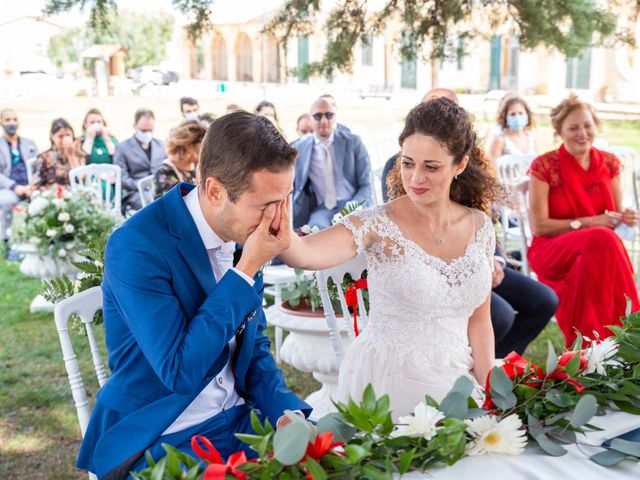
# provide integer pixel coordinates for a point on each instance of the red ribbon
(515, 366)
(217, 470)
(351, 297)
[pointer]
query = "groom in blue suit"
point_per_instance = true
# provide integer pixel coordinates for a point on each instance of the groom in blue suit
(332, 169)
(184, 326)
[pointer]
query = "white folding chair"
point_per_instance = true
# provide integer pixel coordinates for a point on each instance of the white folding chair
(105, 180)
(512, 171)
(145, 189)
(85, 305)
(28, 163)
(629, 158)
(353, 267)
(376, 185)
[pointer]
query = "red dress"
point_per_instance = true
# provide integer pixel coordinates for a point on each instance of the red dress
(589, 269)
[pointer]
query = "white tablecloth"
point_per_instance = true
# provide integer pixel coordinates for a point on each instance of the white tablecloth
(534, 464)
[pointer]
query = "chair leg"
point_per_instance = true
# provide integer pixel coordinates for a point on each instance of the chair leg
(277, 299)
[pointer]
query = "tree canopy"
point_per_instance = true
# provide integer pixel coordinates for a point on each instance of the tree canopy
(567, 26)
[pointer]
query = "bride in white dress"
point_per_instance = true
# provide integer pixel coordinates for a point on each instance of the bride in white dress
(430, 258)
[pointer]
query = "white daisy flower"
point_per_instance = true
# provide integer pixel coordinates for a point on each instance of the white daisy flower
(491, 435)
(423, 422)
(600, 354)
(51, 232)
(64, 217)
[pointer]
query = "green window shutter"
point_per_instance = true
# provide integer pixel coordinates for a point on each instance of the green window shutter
(303, 57)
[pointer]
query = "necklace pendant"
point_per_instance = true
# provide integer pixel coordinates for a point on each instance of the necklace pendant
(439, 241)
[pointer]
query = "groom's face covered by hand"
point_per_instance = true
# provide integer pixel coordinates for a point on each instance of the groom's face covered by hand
(237, 220)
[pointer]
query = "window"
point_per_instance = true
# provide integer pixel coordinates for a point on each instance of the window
(303, 58)
(579, 71)
(367, 51)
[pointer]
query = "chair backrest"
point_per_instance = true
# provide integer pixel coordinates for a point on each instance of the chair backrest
(105, 180)
(28, 163)
(353, 267)
(376, 185)
(145, 189)
(85, 305)
(629, 158)
(513, 168)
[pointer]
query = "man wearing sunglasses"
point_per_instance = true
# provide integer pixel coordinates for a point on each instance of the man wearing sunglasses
(14, 178)
(332, 169)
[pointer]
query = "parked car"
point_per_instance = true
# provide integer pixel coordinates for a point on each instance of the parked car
(153, 74)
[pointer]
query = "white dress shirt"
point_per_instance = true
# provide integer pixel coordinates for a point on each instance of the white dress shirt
(220, 394)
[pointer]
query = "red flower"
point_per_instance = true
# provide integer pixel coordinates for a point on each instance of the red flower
(217, 470)
(322, 444)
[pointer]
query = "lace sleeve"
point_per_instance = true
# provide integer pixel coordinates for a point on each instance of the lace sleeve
(487, 238)
(356, 224)
(540, 169)
(613, 163)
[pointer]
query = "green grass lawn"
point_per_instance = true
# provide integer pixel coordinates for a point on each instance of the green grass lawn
(39, 433)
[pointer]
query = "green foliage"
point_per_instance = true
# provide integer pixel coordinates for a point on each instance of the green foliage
(66, 47)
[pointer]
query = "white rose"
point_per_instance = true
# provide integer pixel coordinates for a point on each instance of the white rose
(58, 202)
(37, 206)
(68, 228)
(63, 216)
(62, 253)
(51, 232)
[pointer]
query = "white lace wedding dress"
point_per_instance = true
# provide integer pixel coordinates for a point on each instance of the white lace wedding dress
(416, 340)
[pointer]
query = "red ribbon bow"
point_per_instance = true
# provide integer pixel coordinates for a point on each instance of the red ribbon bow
(217, 470)
(351, 297)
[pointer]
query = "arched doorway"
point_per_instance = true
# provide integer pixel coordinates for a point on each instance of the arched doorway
(244, 58)
(219, 60)
(272, 60)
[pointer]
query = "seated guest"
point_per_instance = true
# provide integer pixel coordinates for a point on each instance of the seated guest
(332, 169)
(206, 119)
(52, 167)
(515, 121)
(303, 126)
(575, 203)
(15, 150)
(183, 149)
(183, 321)
(331, 99)
(232, 107)
(97, 144)
(189, 108)
(520, 308)
(268, 109)
(138, 156)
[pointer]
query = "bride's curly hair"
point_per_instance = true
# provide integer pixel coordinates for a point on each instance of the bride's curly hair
(450, 124)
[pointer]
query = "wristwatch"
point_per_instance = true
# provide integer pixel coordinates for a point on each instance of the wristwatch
(575, 224)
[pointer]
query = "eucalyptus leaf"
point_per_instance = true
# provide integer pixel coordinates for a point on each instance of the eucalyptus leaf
(500, 383)
(584, 411)
(290, 443)
(626, 446)
(454, 405)
(463, 385)
(549, 446)
(335, 423)
(608, 458)
(504, 402)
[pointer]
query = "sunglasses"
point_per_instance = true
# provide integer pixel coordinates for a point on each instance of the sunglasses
(318, 116)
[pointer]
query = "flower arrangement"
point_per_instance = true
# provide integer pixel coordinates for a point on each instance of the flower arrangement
(59, 222)
(549, 405)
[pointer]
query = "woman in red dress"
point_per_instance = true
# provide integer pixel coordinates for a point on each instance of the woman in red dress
(575, 203)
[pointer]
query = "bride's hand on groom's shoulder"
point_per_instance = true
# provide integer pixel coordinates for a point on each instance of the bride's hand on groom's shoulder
(268, 240)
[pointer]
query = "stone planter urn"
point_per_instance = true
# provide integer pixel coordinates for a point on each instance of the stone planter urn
(46, 267)
(307, 348)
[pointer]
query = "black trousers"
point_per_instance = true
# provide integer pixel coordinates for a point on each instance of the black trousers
(520, 309)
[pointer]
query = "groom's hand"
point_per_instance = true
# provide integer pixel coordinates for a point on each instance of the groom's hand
(270, 238)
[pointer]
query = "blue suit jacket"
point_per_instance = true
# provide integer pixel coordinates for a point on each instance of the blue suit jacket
(352, 161)
(167, 326)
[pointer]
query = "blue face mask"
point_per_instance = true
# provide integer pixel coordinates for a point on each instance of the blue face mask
(518, 122)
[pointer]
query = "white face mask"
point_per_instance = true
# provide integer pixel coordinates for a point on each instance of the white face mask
(191, 116)
(144, 137)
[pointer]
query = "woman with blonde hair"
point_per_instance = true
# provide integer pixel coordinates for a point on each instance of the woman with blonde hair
(97, 143)
(183, 150)
(575, 204)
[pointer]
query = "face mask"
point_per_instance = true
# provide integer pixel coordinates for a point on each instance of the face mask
(191, 116)
(10, 129)
(518, 122)
(144, 137)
